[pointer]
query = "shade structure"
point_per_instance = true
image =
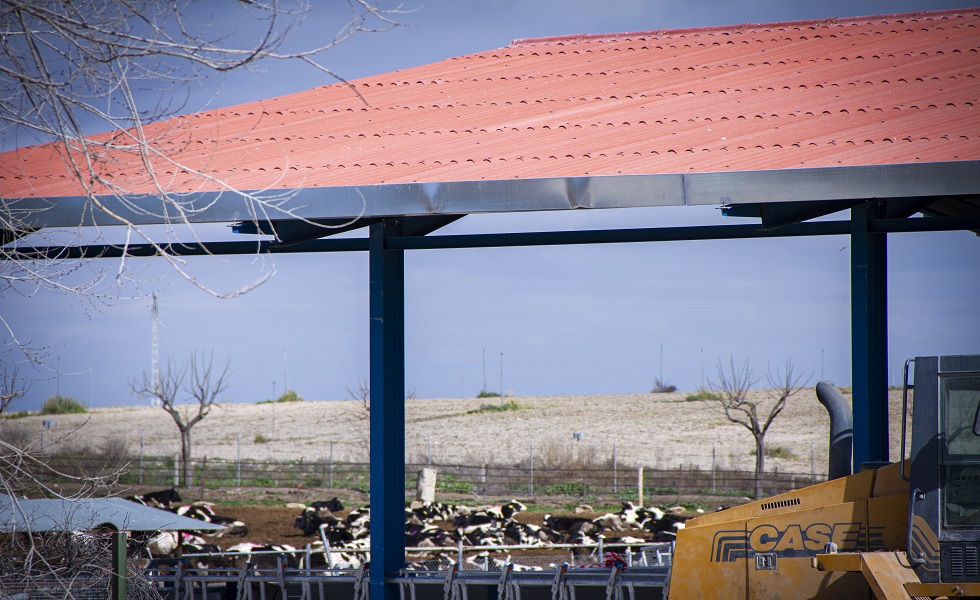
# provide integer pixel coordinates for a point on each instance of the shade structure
(84, 514)
(866, 107)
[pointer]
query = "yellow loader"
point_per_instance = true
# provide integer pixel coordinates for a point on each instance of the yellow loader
(904, 530)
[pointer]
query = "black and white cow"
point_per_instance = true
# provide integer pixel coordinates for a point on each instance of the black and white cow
(165, 543)
(165, 499)
(436, 511)
(569, 526)
(665, 529)
(263, 555)
(512, 508)
(203, 511)
(318, 515)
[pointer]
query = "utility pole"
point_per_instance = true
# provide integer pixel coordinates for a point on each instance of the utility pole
(484, 369)
(285, 379)
(501, 374)
(155, 345)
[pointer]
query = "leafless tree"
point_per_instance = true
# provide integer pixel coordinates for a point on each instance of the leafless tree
(88, 85)
(11, 386)
(753, 411)
(362, 395)
(187, 392)
(361, 413)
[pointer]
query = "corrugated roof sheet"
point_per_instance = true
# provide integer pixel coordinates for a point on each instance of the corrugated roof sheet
(84, 514)
(836, 92)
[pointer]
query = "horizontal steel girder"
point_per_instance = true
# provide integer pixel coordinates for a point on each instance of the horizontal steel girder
(494, 240)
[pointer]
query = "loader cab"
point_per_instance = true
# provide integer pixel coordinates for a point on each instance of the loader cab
(944, 472)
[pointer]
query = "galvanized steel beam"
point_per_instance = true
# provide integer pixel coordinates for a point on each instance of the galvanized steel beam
(497, 240)
(958, 178)
(869, 336)
(387, 332)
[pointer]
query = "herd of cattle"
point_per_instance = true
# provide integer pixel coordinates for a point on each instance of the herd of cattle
(427, 525)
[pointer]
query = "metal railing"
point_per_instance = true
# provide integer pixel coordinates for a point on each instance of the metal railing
(471, 557)
(177, 580)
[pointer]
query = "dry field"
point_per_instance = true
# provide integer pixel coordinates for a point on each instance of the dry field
(653, 430)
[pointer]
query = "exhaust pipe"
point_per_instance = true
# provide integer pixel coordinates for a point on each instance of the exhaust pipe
(841, 430)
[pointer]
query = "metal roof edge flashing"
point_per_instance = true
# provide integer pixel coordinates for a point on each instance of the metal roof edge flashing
(956, 178)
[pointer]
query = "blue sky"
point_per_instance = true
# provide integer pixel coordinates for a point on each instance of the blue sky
(567, 320)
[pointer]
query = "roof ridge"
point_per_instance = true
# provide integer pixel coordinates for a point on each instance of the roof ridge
(739, 26)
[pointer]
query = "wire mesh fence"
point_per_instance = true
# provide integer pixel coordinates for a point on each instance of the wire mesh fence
(486, 481)
(54, 588)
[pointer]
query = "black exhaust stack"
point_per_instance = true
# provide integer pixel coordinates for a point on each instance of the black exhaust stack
(841, 430)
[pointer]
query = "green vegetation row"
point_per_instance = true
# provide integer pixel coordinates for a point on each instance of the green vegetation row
(586, 484)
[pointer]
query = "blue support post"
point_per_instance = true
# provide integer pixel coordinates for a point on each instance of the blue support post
(869, 336)
(387, 315)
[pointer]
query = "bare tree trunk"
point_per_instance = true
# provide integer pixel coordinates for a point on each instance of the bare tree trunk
(185, 450)
(743, 409)
(760, 464)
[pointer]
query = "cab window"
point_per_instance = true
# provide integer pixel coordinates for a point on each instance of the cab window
(960, 399)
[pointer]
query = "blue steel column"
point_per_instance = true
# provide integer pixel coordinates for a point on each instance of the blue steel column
(869, 337)
(387, 293)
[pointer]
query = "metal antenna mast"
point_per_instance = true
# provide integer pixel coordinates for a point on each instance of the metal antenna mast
(155, 353)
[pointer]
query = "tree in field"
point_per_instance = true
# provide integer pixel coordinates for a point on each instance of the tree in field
(187, 392)
(756, 413)
(87, 88)
(361, 413)
(11, 386)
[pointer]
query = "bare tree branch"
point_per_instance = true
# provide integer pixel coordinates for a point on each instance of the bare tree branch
(361, 394)
(195, 383)
(11, 386)
(93, 83)
(734, 396)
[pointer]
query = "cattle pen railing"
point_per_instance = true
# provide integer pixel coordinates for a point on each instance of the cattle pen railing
(179, 581)
(487, 481)
(464, 557)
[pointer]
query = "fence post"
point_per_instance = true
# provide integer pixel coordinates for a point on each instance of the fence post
(118, 579)
(713, 448)
(331, 463)
(176, 471)
(486, 481)
(639, 486)
(204, 471)
(299, 474)
(531, 465)
(430, 450)
(238, 462)
(141, 457)
(615, 464)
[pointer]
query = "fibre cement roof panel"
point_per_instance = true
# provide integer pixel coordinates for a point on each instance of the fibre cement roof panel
(855, 92)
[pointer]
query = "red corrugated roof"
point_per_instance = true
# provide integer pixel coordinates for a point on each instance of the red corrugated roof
(837, 92)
